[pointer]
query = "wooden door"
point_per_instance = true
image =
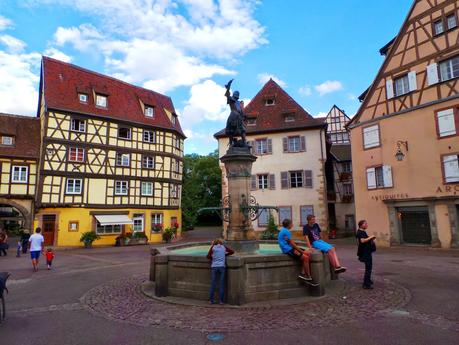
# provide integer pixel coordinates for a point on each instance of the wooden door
(49, 228)
(415, 225)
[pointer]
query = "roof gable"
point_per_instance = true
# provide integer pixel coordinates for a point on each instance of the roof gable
(414, 44)
(273, 109)
(62, 82)
(26, 133)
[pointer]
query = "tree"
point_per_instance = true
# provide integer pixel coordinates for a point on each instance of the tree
(202, 185)
(271, 231)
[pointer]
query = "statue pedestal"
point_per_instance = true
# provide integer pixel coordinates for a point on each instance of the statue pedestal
(238, 164)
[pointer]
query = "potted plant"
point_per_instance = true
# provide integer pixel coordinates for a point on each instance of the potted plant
(271, 231)
(168, 234)
(127, 238)
(88, 237)
(140, 237)
(157, 228)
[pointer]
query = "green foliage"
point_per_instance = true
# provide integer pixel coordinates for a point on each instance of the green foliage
(139, 235)
(168, 233)
(271, 231)
(89, 237)
(202, 183)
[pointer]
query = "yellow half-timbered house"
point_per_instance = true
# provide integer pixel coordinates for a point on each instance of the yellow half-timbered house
(19, 149)
(111, 157)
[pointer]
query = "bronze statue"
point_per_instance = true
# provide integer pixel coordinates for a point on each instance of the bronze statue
(235, 125)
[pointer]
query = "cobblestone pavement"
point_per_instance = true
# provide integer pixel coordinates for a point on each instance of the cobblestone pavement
(123, 300)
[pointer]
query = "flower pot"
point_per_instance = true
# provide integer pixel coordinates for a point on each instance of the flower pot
(88, 244)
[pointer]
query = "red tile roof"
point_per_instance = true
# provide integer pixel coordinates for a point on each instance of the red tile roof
(26, 133)
(271, 118)
(63, 81)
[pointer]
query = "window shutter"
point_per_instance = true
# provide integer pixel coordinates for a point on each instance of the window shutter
(387, 176)
(253, 183)
(251, 144)
(412, 82)
(446, 124)
(451, 168)
(370, 137)
(308, 178)
(389, 89)
(305, 211)
(272, 181)
(284, 180)
(285, 213)
(270, 145)
(432, 74)
(302, 143)
(285, 144)
(371, 178)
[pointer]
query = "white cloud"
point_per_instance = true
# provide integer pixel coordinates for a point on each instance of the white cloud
(263, 78)
(321, 114)
(57, 54)
(5, 23)
(328, 87)
(305, 90)
(207, 102)
(12, 44)
(351, 97)
(19, 79)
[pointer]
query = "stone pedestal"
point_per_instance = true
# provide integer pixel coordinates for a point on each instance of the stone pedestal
(238, 164)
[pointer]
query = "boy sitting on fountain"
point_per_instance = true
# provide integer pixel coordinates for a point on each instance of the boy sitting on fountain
(289, 247)
(311, 233)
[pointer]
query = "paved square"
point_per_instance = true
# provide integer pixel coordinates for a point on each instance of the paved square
(94, 297)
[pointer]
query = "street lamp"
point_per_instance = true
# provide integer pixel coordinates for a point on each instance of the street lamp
(399, 155)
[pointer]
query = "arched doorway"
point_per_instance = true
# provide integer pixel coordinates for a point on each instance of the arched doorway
(12, 218)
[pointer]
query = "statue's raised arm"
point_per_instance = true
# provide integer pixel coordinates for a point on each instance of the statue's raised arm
(235, 125)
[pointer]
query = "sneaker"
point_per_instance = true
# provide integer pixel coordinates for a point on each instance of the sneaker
(340, 269)
(305, 277)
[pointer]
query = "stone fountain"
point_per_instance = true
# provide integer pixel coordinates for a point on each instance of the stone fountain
(258, 271)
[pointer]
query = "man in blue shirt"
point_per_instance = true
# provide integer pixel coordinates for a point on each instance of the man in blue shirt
(289, 247)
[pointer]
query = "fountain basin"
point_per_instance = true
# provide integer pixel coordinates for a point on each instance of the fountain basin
(184, 271)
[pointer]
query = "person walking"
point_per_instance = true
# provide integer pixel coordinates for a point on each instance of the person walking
(3, 242)
(218, 253)
(36, 247)
(49, 257)
(25, 240)
(364, 252)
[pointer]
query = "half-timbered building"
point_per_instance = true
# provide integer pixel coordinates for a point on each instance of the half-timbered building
(111, 157)
(19, 152)
(405, 136)
(290, 148)
(340, 191)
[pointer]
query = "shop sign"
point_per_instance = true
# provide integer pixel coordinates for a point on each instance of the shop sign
(448, 188)
(390, 196)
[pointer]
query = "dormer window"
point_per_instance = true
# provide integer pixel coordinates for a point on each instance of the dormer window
(149, 111)
(289, 118)
(251, 122)
(101, 101)
(270, 101)
(7, 140)
(83, 97)
(174, 119)
(124, 133)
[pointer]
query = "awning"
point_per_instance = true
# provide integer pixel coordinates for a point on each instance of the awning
(113, 219)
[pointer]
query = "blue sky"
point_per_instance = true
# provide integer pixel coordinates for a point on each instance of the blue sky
(321, 52)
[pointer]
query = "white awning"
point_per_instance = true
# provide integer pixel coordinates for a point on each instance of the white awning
(113, 219)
